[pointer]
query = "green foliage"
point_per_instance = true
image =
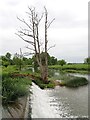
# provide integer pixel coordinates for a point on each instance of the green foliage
(12, 88)
(71, 67)
(61, 62)
(76, 82)
(69, 80)
(42, 85)
(8, 55)
(6, 60)
(17, 60)
(5, 63)
(50, 85)
(51, 60)
(27, 61)
(87, 60)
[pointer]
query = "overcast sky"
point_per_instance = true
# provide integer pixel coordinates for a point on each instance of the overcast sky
(69, 31)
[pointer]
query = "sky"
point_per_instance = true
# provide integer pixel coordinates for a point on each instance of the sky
(69, 30)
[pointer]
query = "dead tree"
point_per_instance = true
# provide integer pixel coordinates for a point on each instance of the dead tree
(31, 36)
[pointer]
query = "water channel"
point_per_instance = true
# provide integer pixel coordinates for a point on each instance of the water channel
(61, 102)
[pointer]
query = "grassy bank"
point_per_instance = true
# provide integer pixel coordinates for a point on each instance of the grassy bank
(42, 85)
(74, 68)
(13, 87)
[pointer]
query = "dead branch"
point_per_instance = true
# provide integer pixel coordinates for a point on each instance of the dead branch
(30, 48)
(51, 47)
(22, 20)
(25, 29)
(29, 13)
(27, 54)
(50, 23)
(25, 34)
(41, 17)
(32, 43)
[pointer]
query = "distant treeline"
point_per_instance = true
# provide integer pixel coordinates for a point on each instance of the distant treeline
(17, 59)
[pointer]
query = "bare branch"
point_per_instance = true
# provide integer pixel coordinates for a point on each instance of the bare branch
(29, 13)
(51, 47)
(41, 17)
(26, 54)
(25, 29)
(25, 34)
(45, 10)
(30, 48)
(30, 42)
(22, 20)
(50, 23)
(31, 10)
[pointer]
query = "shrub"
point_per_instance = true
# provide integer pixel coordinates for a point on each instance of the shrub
(76, 81)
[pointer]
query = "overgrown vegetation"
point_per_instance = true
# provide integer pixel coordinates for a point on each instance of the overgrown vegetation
(13, 87)
(42, 85)
(68, 80)
(76, 82)
(73, 81)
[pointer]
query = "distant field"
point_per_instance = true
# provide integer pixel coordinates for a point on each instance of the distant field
(72, 67)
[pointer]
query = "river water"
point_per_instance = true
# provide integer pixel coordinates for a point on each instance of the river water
(61, 102)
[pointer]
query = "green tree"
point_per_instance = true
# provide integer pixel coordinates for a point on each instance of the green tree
(17, 61)
(87, 60)
(53, 60)
(5, 61)
(27, 61)
(61, 62)
(8, 55)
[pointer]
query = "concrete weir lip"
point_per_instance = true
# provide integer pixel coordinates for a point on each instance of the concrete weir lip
(18, 110)
(27, 108)
(40, 104)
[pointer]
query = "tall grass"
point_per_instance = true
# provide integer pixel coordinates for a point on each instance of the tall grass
(13, 88)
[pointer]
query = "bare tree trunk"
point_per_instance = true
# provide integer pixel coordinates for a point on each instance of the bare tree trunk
(32, 31)
(46, 59)
(20, 66)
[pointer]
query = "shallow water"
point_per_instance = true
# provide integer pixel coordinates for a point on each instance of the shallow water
(61, 102)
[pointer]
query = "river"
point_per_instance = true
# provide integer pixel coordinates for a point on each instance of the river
(61, 102)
